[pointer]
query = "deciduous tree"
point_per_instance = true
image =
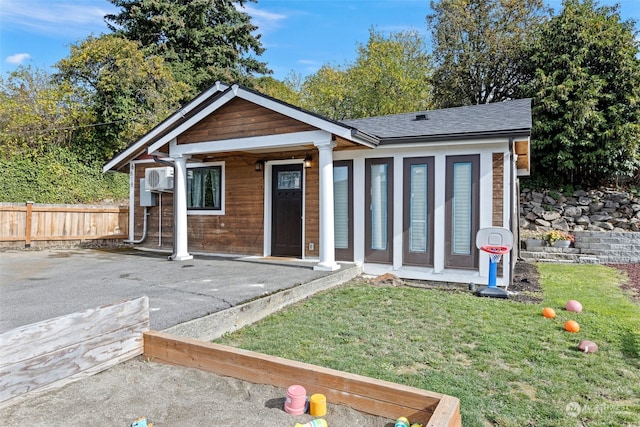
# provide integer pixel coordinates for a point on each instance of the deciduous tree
(127, 92)
(478, 48)
(390, 75)
(37, 113)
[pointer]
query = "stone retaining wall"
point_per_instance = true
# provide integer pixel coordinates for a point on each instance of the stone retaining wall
(609, 247)
(593, 210)
(604, 222)
(592, 247)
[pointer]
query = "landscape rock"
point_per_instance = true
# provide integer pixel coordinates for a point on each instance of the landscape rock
(572, 211)
(594, 210)
(583, 220)
(551, 216)
(541, 222)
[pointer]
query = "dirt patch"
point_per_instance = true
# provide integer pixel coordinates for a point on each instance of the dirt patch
(526, 283)
(525, 288)
(168, 396)
(632, 285)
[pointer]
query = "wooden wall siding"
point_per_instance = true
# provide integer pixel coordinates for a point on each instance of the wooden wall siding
(159, 235)
(523, 163)
(54, 352)
(498, 190)
(241, 229)
(30, 222)
(343, 145)
(312, 210)
(241, 119)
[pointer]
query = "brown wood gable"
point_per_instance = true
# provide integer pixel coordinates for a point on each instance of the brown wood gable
(241, 119)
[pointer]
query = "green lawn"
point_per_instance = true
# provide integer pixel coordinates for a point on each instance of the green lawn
(508, 365)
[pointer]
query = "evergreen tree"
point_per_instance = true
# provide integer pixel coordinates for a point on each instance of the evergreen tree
(202, 40)
(586, 90)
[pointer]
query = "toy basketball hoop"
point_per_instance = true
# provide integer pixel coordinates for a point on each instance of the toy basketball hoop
(495, 252)
(495, 241)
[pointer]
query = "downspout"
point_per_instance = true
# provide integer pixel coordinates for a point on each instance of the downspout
(512, 206)
(173, 165)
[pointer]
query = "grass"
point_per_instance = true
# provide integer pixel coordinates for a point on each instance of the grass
(508, 365)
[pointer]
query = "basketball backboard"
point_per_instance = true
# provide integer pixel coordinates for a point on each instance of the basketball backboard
(494, 236)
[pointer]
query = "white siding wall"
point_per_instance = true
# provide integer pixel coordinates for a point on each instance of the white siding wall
(439, 151)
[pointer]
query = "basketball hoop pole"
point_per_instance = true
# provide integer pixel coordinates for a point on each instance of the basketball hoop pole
(493, 273)
(495, 253)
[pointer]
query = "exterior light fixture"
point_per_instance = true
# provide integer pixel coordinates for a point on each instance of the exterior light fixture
(259, 165)
(307, 161)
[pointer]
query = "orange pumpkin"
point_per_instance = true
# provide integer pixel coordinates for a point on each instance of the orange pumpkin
(571, 326)
(549, 313)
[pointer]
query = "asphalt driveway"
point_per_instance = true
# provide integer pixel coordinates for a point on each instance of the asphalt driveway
(37, 285)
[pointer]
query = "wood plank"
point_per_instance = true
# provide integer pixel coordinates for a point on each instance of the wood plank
(90, 209)
(57, 350)
(5, 208)
(369, 395)
(53, 334)
(100, 351)
(447, 413)
(27, 227)
(67, 238)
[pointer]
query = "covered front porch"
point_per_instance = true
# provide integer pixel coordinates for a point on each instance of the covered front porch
(295, 175)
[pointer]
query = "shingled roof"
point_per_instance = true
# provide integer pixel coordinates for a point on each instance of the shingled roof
(500, 118)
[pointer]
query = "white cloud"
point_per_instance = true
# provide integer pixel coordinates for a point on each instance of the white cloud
(265, 21)
(55, 17)
(17, 59)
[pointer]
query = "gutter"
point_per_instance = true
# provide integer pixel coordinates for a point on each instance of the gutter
(454, 136)
(356, 133)
(512, 201)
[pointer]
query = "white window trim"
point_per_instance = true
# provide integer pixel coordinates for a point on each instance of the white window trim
(196, 212)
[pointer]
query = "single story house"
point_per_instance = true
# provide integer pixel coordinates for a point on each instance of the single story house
(237, 172)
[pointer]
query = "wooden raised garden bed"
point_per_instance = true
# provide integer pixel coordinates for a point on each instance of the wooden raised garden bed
(52, 353)
(381, 398)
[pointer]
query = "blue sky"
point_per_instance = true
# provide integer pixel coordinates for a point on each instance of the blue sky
(299, 35)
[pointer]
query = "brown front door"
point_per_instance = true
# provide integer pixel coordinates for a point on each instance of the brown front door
(286, 215)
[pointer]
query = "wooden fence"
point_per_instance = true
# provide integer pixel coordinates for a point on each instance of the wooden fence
(47, 224)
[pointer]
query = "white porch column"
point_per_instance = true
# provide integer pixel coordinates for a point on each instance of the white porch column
(181, 241)
(327, 238)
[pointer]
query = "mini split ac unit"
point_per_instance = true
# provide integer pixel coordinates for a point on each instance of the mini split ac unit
(158, 179)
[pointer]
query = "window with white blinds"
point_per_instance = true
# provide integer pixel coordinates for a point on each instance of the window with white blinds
(461, 208)
(418, 208)
(379, 206)
(341, 206)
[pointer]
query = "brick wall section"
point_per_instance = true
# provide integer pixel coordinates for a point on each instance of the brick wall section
(608, 246)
